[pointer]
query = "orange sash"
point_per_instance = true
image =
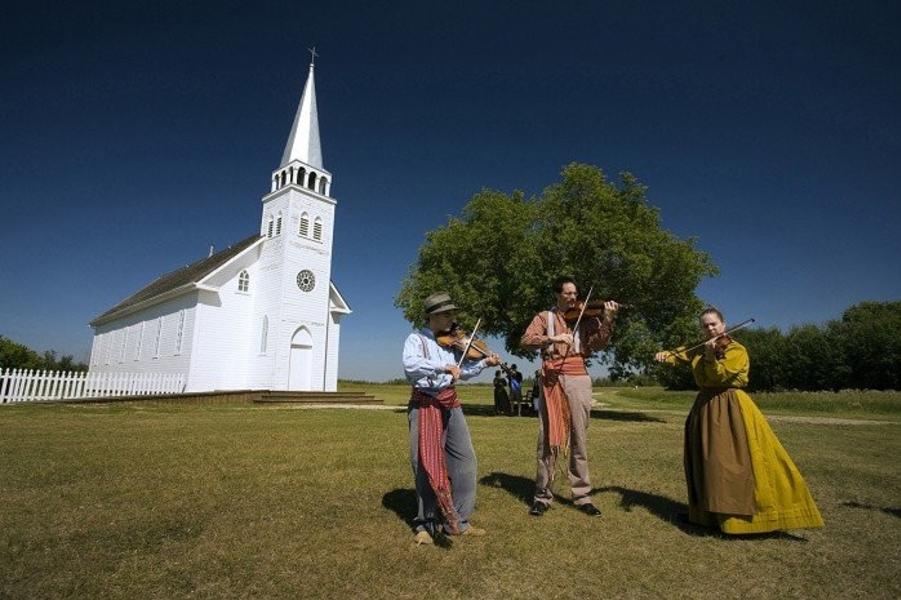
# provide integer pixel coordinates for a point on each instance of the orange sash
(555, 401)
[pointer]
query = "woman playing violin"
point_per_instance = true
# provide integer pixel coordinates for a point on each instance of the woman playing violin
(740, 478)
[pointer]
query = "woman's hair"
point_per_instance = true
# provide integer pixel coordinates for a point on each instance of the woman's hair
(712, 310)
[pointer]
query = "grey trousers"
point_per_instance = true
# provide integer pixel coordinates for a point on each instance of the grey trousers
(461, 469)
(578, 392)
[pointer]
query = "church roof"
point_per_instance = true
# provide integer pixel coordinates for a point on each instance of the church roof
(303, 143)
(184, 278)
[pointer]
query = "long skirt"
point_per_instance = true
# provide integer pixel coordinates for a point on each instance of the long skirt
(739, 476)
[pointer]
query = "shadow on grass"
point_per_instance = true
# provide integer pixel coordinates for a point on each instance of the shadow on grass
(519, 487)
(402, 501)
(895, 512)
(676, 513)
(615, 415)
(484, 410)
(487, 410)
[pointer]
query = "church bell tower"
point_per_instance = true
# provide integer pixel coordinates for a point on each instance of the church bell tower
(297, 222)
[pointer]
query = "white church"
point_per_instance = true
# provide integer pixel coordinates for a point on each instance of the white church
(262, 314)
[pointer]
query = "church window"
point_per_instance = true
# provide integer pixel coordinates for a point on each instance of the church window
(317, 229)
(244, 281)
(124, 336)
(283, 178)
(304, 228)
(322, 182)
(140, 341)
(159, 337)
(264, 334)
(301, 175)
(311, 183)
(278, 225)
(306, 281)
(269, 228)
(181, 331)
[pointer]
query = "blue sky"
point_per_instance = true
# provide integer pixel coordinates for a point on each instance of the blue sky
(134, 135)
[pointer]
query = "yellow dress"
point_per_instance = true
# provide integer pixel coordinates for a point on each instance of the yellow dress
(739, 476)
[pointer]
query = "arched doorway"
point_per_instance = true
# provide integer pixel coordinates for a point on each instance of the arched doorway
(300, 367)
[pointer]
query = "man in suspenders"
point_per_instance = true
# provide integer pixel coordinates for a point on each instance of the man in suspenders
(441, 452)
(565, 406)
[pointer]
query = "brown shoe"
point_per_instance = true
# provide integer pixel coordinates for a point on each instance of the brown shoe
(474, 531)
(422, 538)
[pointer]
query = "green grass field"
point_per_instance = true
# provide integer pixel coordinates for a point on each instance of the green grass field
(163, 501)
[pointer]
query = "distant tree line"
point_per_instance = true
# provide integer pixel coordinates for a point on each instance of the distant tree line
(19, 356)
(862, 350)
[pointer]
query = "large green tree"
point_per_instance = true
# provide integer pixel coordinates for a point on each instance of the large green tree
(499, 256)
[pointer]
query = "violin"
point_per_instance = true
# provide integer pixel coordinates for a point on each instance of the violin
(722, 340)
(595, 308)
(456, 338)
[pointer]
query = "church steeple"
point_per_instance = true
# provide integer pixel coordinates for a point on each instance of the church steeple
(303, 143)
(301, 163)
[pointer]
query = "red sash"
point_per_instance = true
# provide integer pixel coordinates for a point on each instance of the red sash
(431, 450)
(555, 401)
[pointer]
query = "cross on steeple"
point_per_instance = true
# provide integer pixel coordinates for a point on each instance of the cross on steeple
(313, 55)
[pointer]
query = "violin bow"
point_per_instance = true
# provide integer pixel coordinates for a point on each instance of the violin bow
(472, 336)
(581, 313)
(741, 325)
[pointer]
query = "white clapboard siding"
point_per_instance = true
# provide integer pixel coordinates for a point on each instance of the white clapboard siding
(32, 385)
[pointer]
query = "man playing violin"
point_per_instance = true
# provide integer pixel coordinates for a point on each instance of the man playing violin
(441, 452)
(565, 399)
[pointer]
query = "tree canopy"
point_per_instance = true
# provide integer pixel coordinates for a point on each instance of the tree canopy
(499, 257)
(862, 350)
(18, 356)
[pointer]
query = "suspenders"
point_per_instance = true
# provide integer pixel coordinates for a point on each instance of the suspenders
(551, 325)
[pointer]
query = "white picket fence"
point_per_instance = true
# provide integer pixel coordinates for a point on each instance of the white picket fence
(27, 385)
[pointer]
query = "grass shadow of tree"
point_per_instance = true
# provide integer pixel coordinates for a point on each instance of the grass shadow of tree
(675, 513)
(616, 415)
(481, 410)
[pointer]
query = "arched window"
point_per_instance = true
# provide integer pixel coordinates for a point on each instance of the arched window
(322, 182)
(264, 334)
(304, 228)
(290, 174)
(244, 281)
(278, 225)
(311, 183)
(269, 228)
(317, 229)
(284, 177)
(301, 175)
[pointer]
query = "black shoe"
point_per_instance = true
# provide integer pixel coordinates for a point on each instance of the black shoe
(589, 509)
(538, 509)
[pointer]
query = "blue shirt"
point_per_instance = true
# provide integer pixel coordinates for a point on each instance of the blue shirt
(424, 366)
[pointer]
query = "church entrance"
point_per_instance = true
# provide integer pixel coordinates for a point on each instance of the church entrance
(300, 367)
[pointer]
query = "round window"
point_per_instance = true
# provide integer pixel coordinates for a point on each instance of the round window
(306, 281)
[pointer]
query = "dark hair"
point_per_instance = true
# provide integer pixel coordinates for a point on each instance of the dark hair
(712, 310)
(563, 279)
